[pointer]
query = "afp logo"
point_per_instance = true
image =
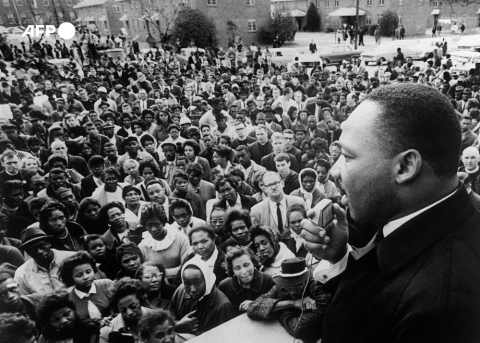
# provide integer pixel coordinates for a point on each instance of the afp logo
(65, 31)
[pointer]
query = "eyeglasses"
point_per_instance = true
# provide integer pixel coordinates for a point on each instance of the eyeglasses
(157, 276)
(273, 184)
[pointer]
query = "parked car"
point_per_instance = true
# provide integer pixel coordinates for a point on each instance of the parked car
(308, 61)
(185, 54)
(464, 60)
(335, 54)
(387, 52)
(285, 55)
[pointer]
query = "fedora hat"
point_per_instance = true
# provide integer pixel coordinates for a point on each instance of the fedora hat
(293, 272)
(32, 234)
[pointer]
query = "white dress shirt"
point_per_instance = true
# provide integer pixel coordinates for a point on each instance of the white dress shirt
(326, 271)
(283, 209)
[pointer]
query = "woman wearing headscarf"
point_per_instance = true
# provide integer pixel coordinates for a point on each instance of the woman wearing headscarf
(308, 190)
(270, 251)
(129, 258)
(198, 305)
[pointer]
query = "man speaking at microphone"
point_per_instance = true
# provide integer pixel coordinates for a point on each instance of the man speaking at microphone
(418, 278)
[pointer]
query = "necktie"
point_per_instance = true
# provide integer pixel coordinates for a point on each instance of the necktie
(279, 218)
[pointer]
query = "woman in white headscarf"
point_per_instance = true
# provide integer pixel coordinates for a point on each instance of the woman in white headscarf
(308, 188)
(198, 305)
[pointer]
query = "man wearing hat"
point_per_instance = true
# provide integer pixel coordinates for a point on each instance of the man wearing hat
(8, 94)
(132, 146)
(40, 273)
(12, 131)
(210, 116)
(102, 92)
(296, 301)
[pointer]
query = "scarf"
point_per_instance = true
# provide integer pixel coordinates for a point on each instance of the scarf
(208, 274)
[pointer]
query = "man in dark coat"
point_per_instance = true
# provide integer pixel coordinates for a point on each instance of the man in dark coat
(416, 281)
(94, 180)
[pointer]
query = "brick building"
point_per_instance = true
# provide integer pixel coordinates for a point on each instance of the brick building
(27, 12)
(417, 16)
(100, 14)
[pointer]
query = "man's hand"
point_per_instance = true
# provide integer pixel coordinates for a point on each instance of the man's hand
(331, 245)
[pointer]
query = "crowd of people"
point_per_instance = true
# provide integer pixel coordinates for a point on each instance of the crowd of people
(149, 200)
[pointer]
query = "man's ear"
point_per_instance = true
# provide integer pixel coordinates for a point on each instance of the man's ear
(407, 166)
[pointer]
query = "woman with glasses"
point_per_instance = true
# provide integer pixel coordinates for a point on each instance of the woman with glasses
(161, 243)
(158, 292)
(217, 222)
(182, 214)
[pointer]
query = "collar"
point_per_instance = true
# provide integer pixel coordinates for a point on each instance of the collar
(435, 222)
(282, 202)
(255, 285)
(81, 295)
(211, 261)
(466, 171)
(55, 261)
(395, 224)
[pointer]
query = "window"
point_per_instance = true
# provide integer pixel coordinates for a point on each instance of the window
(212, 2)
(19, 3)
(23, 16)
(252, 25)
(327, 3)
(60, 14)
(379, 18)
(250, 2)
(400, 20)
(125, 7)
(11, 20)
(369, 2)
(135, 25)
(105, 25)
(437, 4)
(381, 2)
(116, 9)
(400, 2)
(46, 3)
(6, 3)
(1, 20)
(368, 21)
(72, 15)
(336, 3)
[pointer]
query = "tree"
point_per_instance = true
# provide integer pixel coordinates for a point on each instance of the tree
(312, 19)
(160, 17)
(191, 24)
(388, 23)
(282, 26)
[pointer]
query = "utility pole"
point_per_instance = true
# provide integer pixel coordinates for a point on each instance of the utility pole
(356, 25)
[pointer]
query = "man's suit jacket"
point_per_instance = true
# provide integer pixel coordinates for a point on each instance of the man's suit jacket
(236, 142)
(247, 202)
(419, 284)
(297, 153)
(276, 127)
(255, 151)
(150, 103)
(261, 213)
(123, 79)
(269, 163)
(88, 185)
(13, 98)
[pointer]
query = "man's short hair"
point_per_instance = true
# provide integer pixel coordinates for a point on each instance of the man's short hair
(418, 117)
(243, 148)
(276, 136)
(282, 157)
